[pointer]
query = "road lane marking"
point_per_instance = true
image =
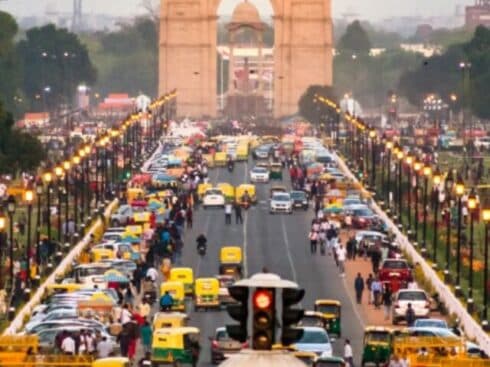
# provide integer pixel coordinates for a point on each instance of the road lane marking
(354, 304)
(288, 250)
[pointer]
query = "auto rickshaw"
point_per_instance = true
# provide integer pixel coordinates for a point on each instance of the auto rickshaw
(63, 288)
(207, 293)
(329, 362)
(314, 318)
(135, 193)
(176, 290)
(184, 275)
(240, 191)
(173, 345)
(201, 189)
(331, 310)
(377, 345)
(112, 362)
(99, 254)
(220, 159)
(169, 320)
(231, 261)
(242, 152)
(227, 190)
(276, 171)
(308, 358)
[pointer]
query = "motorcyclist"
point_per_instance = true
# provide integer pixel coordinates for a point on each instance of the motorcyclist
(201, 242)
(230, 163)
(246, 197)
(166, 302)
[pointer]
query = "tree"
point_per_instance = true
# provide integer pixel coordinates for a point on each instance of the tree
(54, 63)
(9, 67)
(309, 106)
(355, 40)
(19, 151)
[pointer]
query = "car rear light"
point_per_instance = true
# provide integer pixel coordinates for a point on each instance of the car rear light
(214, 344)
(427, 305)
(245, 345)
(397, 304)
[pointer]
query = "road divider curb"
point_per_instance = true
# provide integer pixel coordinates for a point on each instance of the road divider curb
(61, 269)
(471, 328)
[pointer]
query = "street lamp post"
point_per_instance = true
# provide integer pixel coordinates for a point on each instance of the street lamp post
(58, 171)
(486, 219)
(409, 162)
(459, 192)
(417, 166)
(472, 207)
(426, 172)
(389, 146)
(39, 193)
(48, 177)
(11, 211)
(400, 156)
(448, 190)
(436, 180)
(372, 136)
(29, 196)
(76, 163)
(66, 168)
(2, 230)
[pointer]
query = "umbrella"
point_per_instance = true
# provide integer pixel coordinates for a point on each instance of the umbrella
(129, 238)
(114, 276)
(335, 209)
(154, 204)
(162, 177)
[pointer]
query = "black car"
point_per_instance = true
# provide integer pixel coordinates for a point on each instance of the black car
(300, 200)
(262, 151)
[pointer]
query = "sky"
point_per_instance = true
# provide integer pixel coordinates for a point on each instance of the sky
(366, 9)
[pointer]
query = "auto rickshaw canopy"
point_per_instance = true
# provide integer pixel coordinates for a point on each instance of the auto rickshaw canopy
(230, 255)
(99, 254)
(206, 286)
(227, 189)
(169, 320)
(112, 362)
(249, 188)
(328, 307)
(172, 337)
(184, 275)
(175, 289)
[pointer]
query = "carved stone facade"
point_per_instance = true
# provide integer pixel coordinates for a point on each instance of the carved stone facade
(302, 52)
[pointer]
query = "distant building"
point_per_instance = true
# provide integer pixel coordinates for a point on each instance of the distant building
(478, 14)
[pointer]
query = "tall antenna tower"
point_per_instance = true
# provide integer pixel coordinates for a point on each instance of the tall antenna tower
(76, 24)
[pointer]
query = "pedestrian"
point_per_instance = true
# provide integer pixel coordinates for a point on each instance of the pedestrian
(195, 350)
(104, 348)
(348, 355)
(189, 216)
(228, 209)
(351, 248)
(359, 287)
(146, 336)
(313, 236)
(387, 301)
(376, 289)
(68, 346)
(375, 258)
(369, 283)
(144, 308)
(410, 315)
(395, 361)
(341, 256)
(238, 213)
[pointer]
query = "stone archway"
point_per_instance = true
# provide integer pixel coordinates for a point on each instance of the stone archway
(302, 52)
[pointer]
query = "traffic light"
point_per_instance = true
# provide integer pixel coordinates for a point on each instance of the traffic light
(238, 312)
(264, 318)
(291, 316)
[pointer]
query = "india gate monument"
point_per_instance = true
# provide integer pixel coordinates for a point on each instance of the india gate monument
(302, 53)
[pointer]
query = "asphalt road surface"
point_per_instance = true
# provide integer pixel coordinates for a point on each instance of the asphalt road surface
(278, 242)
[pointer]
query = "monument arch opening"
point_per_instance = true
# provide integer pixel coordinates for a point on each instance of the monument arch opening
(188, 58)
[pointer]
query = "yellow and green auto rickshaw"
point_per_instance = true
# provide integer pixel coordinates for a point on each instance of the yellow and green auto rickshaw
(112, 362)
(173, 345)
(313, 318)
(177, 291)
(64, 288)
(276, 171)
(227, 189)
(220, 159)
(230, 259)
(206, 293)
(99, 254)
(184, 275)
(169, 320)
(331, 310)
(377, 345)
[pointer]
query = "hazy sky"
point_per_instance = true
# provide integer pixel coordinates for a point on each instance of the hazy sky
(366, 9)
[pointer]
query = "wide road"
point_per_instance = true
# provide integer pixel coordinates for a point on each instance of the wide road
(278, 242)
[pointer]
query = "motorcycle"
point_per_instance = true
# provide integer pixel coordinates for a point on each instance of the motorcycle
(230, 166)
(201, 249)
(246, 204)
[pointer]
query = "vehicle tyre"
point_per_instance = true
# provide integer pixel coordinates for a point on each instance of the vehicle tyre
(115, 223)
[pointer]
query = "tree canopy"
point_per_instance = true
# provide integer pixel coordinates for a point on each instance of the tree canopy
(9, 68)
(441, 74)
(355, 40)
(309, 107)
(54, 63)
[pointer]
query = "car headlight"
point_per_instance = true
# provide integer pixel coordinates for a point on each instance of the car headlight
(305, 202)
(327, 353)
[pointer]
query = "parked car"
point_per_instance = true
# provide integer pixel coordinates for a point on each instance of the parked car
(222, 345)
(213, 197)
(395, 268)
(417, 298)
(259, 174)
(122, 216)
(483, 142)
(362, 216)
(316, 340)
(47, 337)
(300, 200)
(281, 203)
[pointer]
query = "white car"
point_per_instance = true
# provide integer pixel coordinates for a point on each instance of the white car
(483, 142)
(281, 203)
(418, 300)
(315, 340)
(213, 197)
(259, 174)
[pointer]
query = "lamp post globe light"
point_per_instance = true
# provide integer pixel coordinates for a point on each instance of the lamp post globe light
(436, 181)
(427, 171)
(29, 197)
(11, 211)
(472, 208)
(459, 188)
(486, 219)
(372, 138)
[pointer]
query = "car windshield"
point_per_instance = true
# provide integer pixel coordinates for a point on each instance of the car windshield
(222, 335)
(311, 321)
(395, 264)
(430, 323)
(314, 337)
(298, 195)
(412, 296)
(259, 170)
(214, 192)
(91, 271)
(328, 309)
(365, 212)
(280, 197)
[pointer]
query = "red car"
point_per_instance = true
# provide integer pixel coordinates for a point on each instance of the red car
(396, 272)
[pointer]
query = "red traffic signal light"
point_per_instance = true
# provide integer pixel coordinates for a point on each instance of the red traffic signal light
(263, 299)
(264, 318)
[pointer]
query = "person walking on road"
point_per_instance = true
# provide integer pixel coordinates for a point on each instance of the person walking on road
(359, 287)
(238, 213)
(369, 282)
(341, 256)
(410, 315)
(376, 289)
(146, 335)
(348, 355)
(313, 236)
(387, 301)
(228, 210)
